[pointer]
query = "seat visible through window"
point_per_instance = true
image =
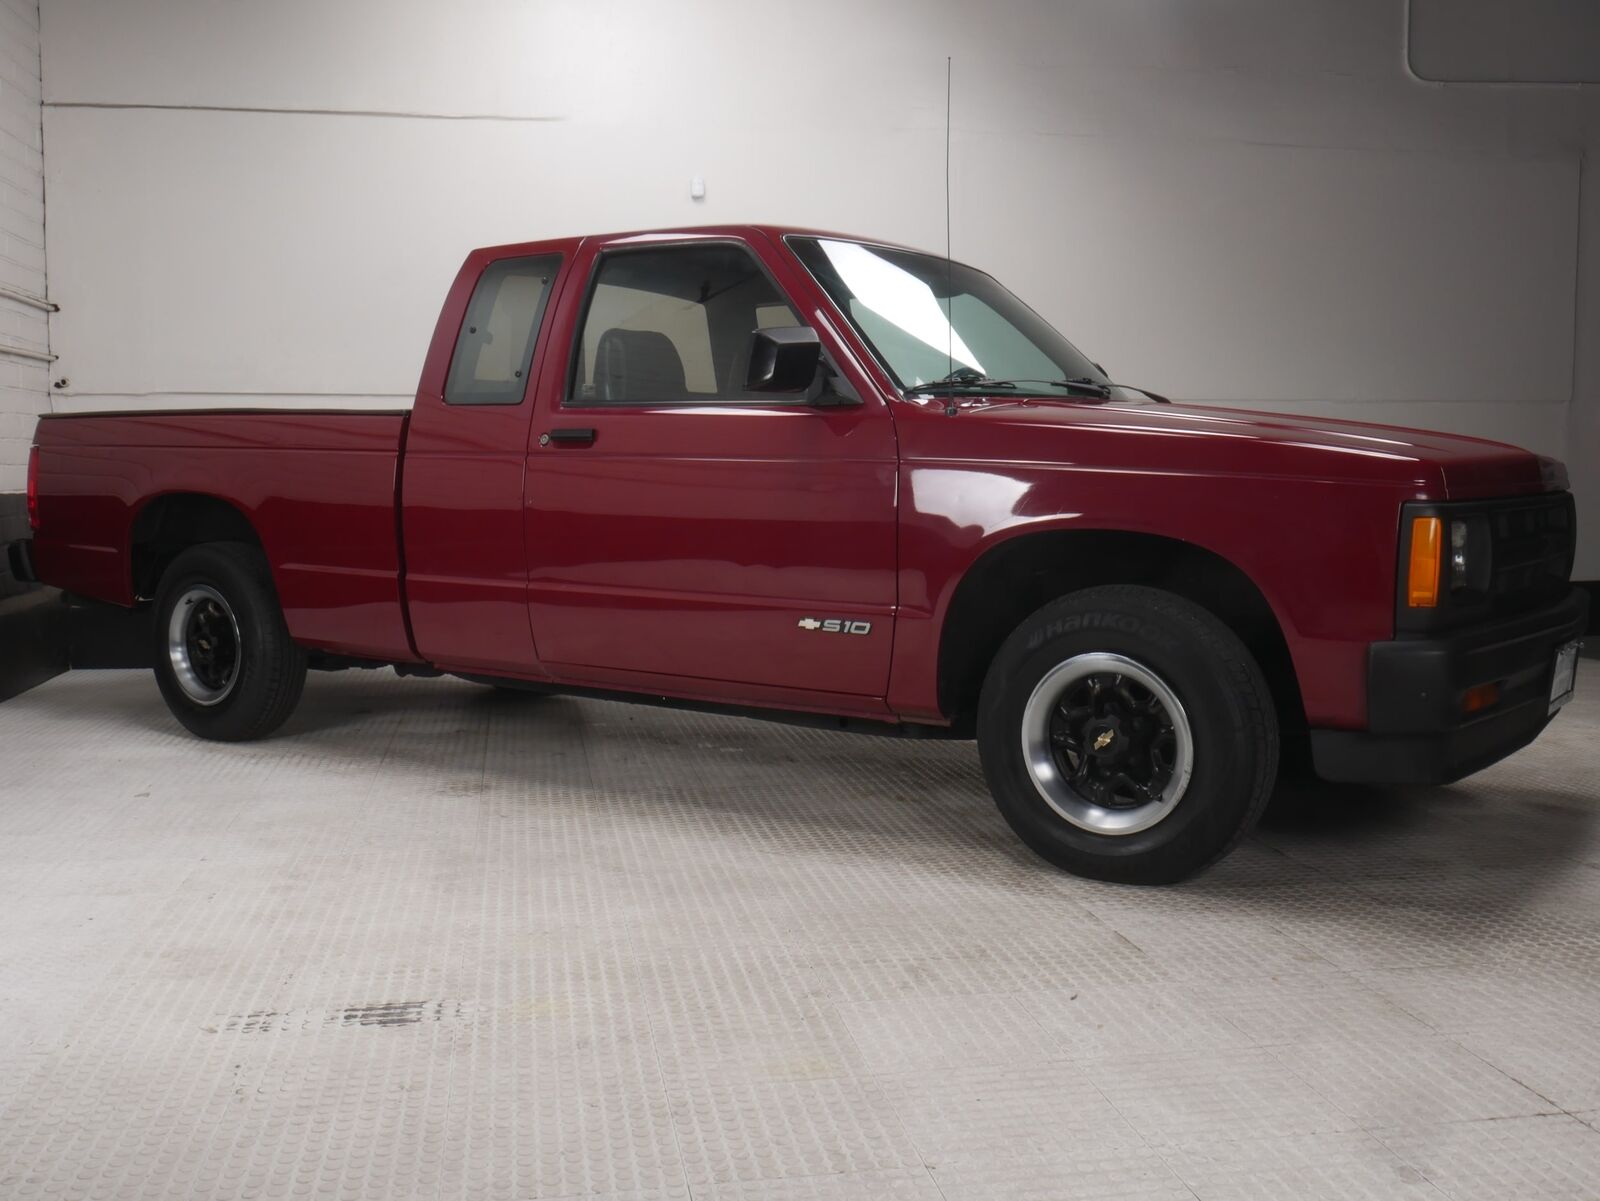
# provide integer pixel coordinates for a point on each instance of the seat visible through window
(674, 324)
(638, 364)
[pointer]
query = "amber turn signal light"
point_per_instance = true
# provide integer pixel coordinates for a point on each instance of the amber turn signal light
(1480, 698)
(1422, 577)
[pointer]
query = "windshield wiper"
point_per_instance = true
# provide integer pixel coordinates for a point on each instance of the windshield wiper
(962, 377)
(1084, 387)
(1102, 388)
(967, 379)
(1155, 396)
(1092, 386)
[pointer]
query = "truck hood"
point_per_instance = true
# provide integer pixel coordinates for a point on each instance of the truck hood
(1443, 466)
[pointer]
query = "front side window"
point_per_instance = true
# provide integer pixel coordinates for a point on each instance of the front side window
(673, 325)
(494, 349)
(928, 320)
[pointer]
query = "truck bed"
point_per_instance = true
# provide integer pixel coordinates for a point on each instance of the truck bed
(318, 487)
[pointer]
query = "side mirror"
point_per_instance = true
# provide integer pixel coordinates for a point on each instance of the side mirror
(783, 359)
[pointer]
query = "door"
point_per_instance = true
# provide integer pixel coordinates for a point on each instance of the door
(462, 470)
(685, 532)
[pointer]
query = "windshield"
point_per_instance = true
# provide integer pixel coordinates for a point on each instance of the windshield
(929, 321)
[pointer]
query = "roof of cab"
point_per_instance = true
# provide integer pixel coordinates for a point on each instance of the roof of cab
(775, 233)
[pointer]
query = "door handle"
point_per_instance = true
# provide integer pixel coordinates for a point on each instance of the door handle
(568, 435)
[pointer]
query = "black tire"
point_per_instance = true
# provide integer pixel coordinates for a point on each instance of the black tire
(251, 693)
(1226, 710)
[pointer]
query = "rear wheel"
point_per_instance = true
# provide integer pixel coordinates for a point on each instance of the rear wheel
(224, 660)
(1127, 735)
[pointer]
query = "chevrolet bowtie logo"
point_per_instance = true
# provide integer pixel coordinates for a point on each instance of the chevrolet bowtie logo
(1104, 740)
(835, 625)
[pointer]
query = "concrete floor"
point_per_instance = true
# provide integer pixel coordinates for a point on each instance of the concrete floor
(438, 942)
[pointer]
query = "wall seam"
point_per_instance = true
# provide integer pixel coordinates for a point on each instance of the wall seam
(301, 112)
(44, 217)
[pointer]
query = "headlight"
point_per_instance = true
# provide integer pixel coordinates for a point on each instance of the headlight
(1470, 554)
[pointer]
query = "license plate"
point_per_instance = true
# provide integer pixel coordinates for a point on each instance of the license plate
(1565, 677)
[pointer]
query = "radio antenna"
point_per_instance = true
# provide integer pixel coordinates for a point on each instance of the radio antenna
(949, 268)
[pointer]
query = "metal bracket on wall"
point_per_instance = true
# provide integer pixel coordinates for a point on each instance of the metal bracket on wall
(24, 352)
(38, 302)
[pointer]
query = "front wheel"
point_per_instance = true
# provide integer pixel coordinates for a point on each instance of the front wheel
(224, 659)
(1127, 735)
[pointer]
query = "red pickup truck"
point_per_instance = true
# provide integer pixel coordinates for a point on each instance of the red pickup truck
(825, 478)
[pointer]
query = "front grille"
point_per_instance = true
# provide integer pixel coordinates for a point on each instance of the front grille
(1532, 550)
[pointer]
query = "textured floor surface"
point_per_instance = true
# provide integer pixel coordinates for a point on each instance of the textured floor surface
(435, 942)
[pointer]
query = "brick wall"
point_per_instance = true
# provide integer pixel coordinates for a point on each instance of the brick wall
(24, 383)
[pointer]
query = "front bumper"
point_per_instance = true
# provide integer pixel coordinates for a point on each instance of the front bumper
(1417, 731)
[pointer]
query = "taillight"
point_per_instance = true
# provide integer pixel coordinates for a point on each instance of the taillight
(33, 489)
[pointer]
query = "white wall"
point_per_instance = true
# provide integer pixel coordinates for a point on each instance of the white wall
(24, 382)
(1225, 200)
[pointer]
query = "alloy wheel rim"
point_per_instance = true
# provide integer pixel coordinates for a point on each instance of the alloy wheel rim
(1107, 744)
(203, 645)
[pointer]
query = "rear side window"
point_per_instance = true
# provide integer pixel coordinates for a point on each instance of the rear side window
(495, 347)
(673, 325)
